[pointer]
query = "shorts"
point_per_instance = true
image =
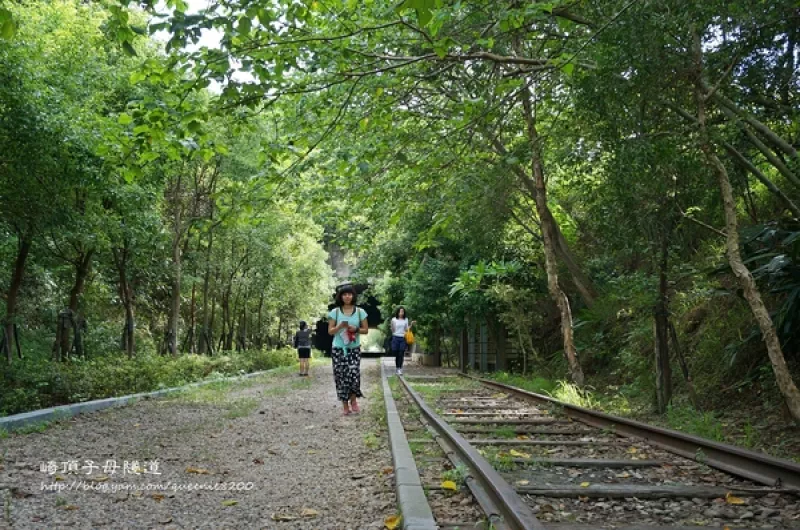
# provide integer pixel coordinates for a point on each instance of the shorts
(304, 353)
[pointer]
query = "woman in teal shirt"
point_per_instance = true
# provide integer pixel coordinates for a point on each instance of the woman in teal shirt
(346, 323)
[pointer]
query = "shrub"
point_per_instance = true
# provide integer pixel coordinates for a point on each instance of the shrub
(34, 383)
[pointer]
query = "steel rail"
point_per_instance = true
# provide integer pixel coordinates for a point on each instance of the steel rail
(758, 467)
(514, 511)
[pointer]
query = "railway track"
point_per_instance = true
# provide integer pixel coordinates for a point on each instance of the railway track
(532, 462)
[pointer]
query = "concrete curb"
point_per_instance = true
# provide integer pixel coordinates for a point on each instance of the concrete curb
(414, 507)
(16, 421)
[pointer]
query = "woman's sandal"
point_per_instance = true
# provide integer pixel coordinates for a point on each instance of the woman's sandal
(355, 408)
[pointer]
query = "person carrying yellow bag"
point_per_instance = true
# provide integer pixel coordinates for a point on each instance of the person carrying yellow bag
(401, 332)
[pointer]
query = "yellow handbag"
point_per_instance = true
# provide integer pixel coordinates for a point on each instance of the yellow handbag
(409, 336)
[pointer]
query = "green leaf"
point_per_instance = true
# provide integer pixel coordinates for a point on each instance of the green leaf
(568, 68)
(8, 29)
(195, 126)
(128, 49)
(124, 119)
(137, 76)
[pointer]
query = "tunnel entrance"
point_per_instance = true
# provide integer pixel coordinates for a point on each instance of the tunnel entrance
(323, 341)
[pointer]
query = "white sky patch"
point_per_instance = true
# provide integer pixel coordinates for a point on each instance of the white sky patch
(209, 38)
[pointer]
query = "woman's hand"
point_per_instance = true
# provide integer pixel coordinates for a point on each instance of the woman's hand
(350, 328)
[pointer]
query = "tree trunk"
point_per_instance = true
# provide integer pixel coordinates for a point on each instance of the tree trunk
(212, 320)
(661, 326)
(171, 335)
(783, 378)
(190, 340)
(23, 249)
(205, 342)
(549, 235)
(126, 296)
(582, 282)
(82, 267)
(260, 329)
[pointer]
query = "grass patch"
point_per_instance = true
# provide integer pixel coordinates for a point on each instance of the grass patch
(688, 419)
(371, 440)
(457, 474)
(499, 459)
(505, 432)
(36, 382)
(241, 408)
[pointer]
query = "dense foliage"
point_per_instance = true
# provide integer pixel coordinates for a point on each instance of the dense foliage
(616, 183)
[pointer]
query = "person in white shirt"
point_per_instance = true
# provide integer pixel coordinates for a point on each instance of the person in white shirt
(400, 324)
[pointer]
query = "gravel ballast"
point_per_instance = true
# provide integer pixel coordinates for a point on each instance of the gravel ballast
(270, 452)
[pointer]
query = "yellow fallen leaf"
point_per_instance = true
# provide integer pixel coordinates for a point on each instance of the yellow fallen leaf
(521, 437)
(387, 470)
(309, 512)
(312, 452)
(99, 478)
(730, 499)
(523, 482)
(449, 485)
(59, 477)
(632, 450)
(585, 484)
(137, 424)
(392, 522)
(158, 497)
(197, 471)
(458, 411)
(519, 454)
(70, 507)
(230, 502)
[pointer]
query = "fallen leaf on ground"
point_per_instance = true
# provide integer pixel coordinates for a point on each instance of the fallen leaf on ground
(230, 502)
(158, 497)
(519, 454)
(99, 478)
(585, 484)
(632, 450)
(165, 520)
(283, 517)
(137, 424)
(522, 437)
(258, 461)
(730, 499)
(449, 485)
(523, 482)
(59, 477)
(197, 471)
(312, 452)
(392, 522)
(309, 512)
(386, 470)
(70, 507)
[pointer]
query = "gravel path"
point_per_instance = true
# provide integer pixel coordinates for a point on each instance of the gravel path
(277, 443)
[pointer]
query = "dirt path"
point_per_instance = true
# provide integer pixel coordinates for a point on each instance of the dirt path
(277, 443)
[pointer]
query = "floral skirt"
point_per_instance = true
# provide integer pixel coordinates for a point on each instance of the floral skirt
(347, 372)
